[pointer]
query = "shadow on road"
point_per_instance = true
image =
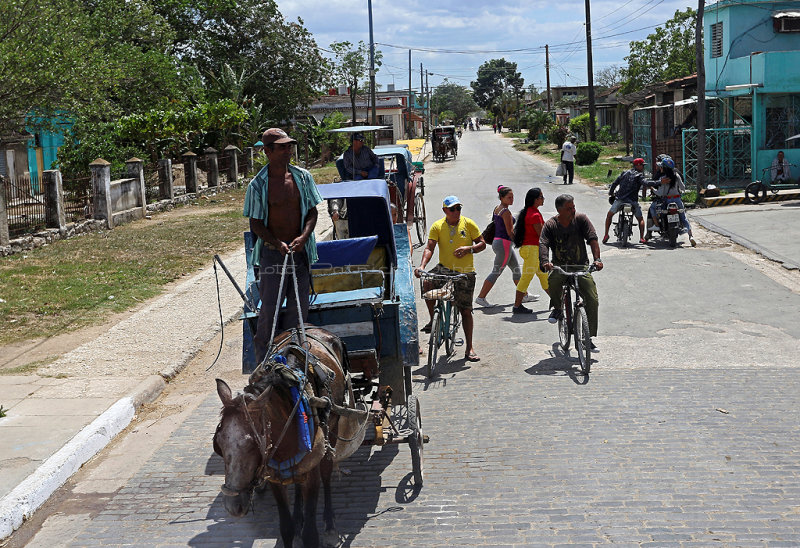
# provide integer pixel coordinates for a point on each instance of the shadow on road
(355, 500)
(560, 363)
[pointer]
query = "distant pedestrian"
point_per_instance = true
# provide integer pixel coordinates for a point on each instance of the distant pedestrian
(568, 150)
(494, 127)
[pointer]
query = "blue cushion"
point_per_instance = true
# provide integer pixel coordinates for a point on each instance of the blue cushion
(352, 251)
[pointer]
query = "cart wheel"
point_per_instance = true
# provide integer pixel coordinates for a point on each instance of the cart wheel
(420, 220)
(415, 442)
(755, 192)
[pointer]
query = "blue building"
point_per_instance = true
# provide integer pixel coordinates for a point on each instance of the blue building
(752, 55)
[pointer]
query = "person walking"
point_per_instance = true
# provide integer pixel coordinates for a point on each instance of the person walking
(504, 254)
(458, 239)
(568, 150)
(526, 237)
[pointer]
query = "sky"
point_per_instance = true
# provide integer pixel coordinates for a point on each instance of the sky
(452, 38)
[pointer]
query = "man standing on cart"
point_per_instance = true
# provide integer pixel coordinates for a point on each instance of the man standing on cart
(281, 203)
(458, 238)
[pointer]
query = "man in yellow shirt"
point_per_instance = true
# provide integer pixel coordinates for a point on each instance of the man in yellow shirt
(458, 238)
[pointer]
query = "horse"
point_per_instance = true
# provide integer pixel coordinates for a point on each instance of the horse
(258, 433)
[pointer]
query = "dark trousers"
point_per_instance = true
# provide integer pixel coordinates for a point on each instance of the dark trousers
(591, 302)
(269, 282)
(569, 169)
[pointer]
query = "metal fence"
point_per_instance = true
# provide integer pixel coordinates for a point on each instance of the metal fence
(78, 198)
(151, 182)
(25, 205)
(728, 161)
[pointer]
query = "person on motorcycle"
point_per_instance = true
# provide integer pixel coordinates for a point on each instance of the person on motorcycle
(629, 183)
(670, 189)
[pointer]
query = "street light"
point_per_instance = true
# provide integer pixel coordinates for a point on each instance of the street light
(372, 65)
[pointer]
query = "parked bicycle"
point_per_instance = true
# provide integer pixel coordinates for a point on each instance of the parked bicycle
(446, 318)
(756, 191)
(573, 320)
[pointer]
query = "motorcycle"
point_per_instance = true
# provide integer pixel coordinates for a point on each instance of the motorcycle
(669, 221)
(624, 225)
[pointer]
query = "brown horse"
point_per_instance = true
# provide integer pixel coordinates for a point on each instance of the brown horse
(257, 430)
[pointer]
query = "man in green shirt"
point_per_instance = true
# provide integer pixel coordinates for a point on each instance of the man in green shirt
(281, 203)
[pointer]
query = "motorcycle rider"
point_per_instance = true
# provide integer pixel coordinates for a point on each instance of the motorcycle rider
(629, 183)
(670, 189)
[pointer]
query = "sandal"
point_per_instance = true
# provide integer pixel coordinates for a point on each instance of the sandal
(472, 357)
(426, 328)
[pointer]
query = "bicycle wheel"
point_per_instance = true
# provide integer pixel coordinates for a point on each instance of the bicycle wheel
(583, 341)
(452, 330)
(755, 192)
(433, 342)
(564, 323)
(420, 220)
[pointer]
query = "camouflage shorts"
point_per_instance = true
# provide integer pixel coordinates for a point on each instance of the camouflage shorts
(464, 287)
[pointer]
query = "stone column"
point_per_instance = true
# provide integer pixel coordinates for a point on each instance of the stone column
(55, 216)
(101, 185)
(248, 159)
(233, 164)
(190, 171)
(4, 234)
(212, 168)
(135, 170)
(165, 189)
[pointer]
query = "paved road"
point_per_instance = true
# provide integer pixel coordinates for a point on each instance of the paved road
(684, 434)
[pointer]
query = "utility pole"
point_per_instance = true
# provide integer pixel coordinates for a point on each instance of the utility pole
(547, 70)
(592, 122)
(372, 66)
(428, 101)
(701, 100)
(409, 124)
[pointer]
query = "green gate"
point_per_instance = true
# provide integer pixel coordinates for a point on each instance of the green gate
(728, 162)
(642, 145)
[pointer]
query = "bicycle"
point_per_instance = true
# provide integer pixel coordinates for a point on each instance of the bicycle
(573, 320)
(756, 191)
(446, 318)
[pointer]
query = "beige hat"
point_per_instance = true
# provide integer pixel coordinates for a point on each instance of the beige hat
(276, 135)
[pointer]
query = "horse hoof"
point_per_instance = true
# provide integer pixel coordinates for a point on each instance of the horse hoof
(331, 539)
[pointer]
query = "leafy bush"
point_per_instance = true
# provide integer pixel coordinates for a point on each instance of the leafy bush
(510, 123)
(557, 135)
(604, 135)
(538, 122)
(587, 153)
(580, 126)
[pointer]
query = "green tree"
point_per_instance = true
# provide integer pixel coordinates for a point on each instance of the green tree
(665, 54)
(580, 126)
(455, 98)
(539, 122)
(351, 66)
(280, 59)
(496, 77)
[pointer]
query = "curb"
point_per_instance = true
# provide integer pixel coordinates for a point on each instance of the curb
(36, 489)
(735, 199)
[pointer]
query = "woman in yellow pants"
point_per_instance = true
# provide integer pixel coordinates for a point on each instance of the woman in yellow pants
(526, 237)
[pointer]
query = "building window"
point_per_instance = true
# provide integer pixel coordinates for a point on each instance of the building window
(782, 121)
(786, 21)
(716, 40)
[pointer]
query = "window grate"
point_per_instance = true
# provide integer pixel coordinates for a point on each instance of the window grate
(716, 40)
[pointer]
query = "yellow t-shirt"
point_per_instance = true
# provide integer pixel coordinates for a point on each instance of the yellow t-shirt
(450, 238)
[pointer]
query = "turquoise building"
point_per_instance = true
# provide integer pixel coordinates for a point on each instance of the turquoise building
(752, 61)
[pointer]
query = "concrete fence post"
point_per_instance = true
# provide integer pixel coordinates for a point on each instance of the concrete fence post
(135, 170)
(55, 216)
(248, 159)
(165, 189)
(101, 185)
(233, 164)
(212, 167)
(4, 233)
(190, 171)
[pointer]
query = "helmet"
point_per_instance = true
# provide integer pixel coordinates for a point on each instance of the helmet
(639, 161)
(661, 157)
(668, 162)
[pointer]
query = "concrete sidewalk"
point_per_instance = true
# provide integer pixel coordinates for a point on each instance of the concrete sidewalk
(61, 416)
(770, 229)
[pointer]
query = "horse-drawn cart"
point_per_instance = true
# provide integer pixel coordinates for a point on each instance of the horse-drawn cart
(444, 143)
(364, 293)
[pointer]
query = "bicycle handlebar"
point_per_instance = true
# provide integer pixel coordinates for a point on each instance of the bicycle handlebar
(591, 268)
(424, 274)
